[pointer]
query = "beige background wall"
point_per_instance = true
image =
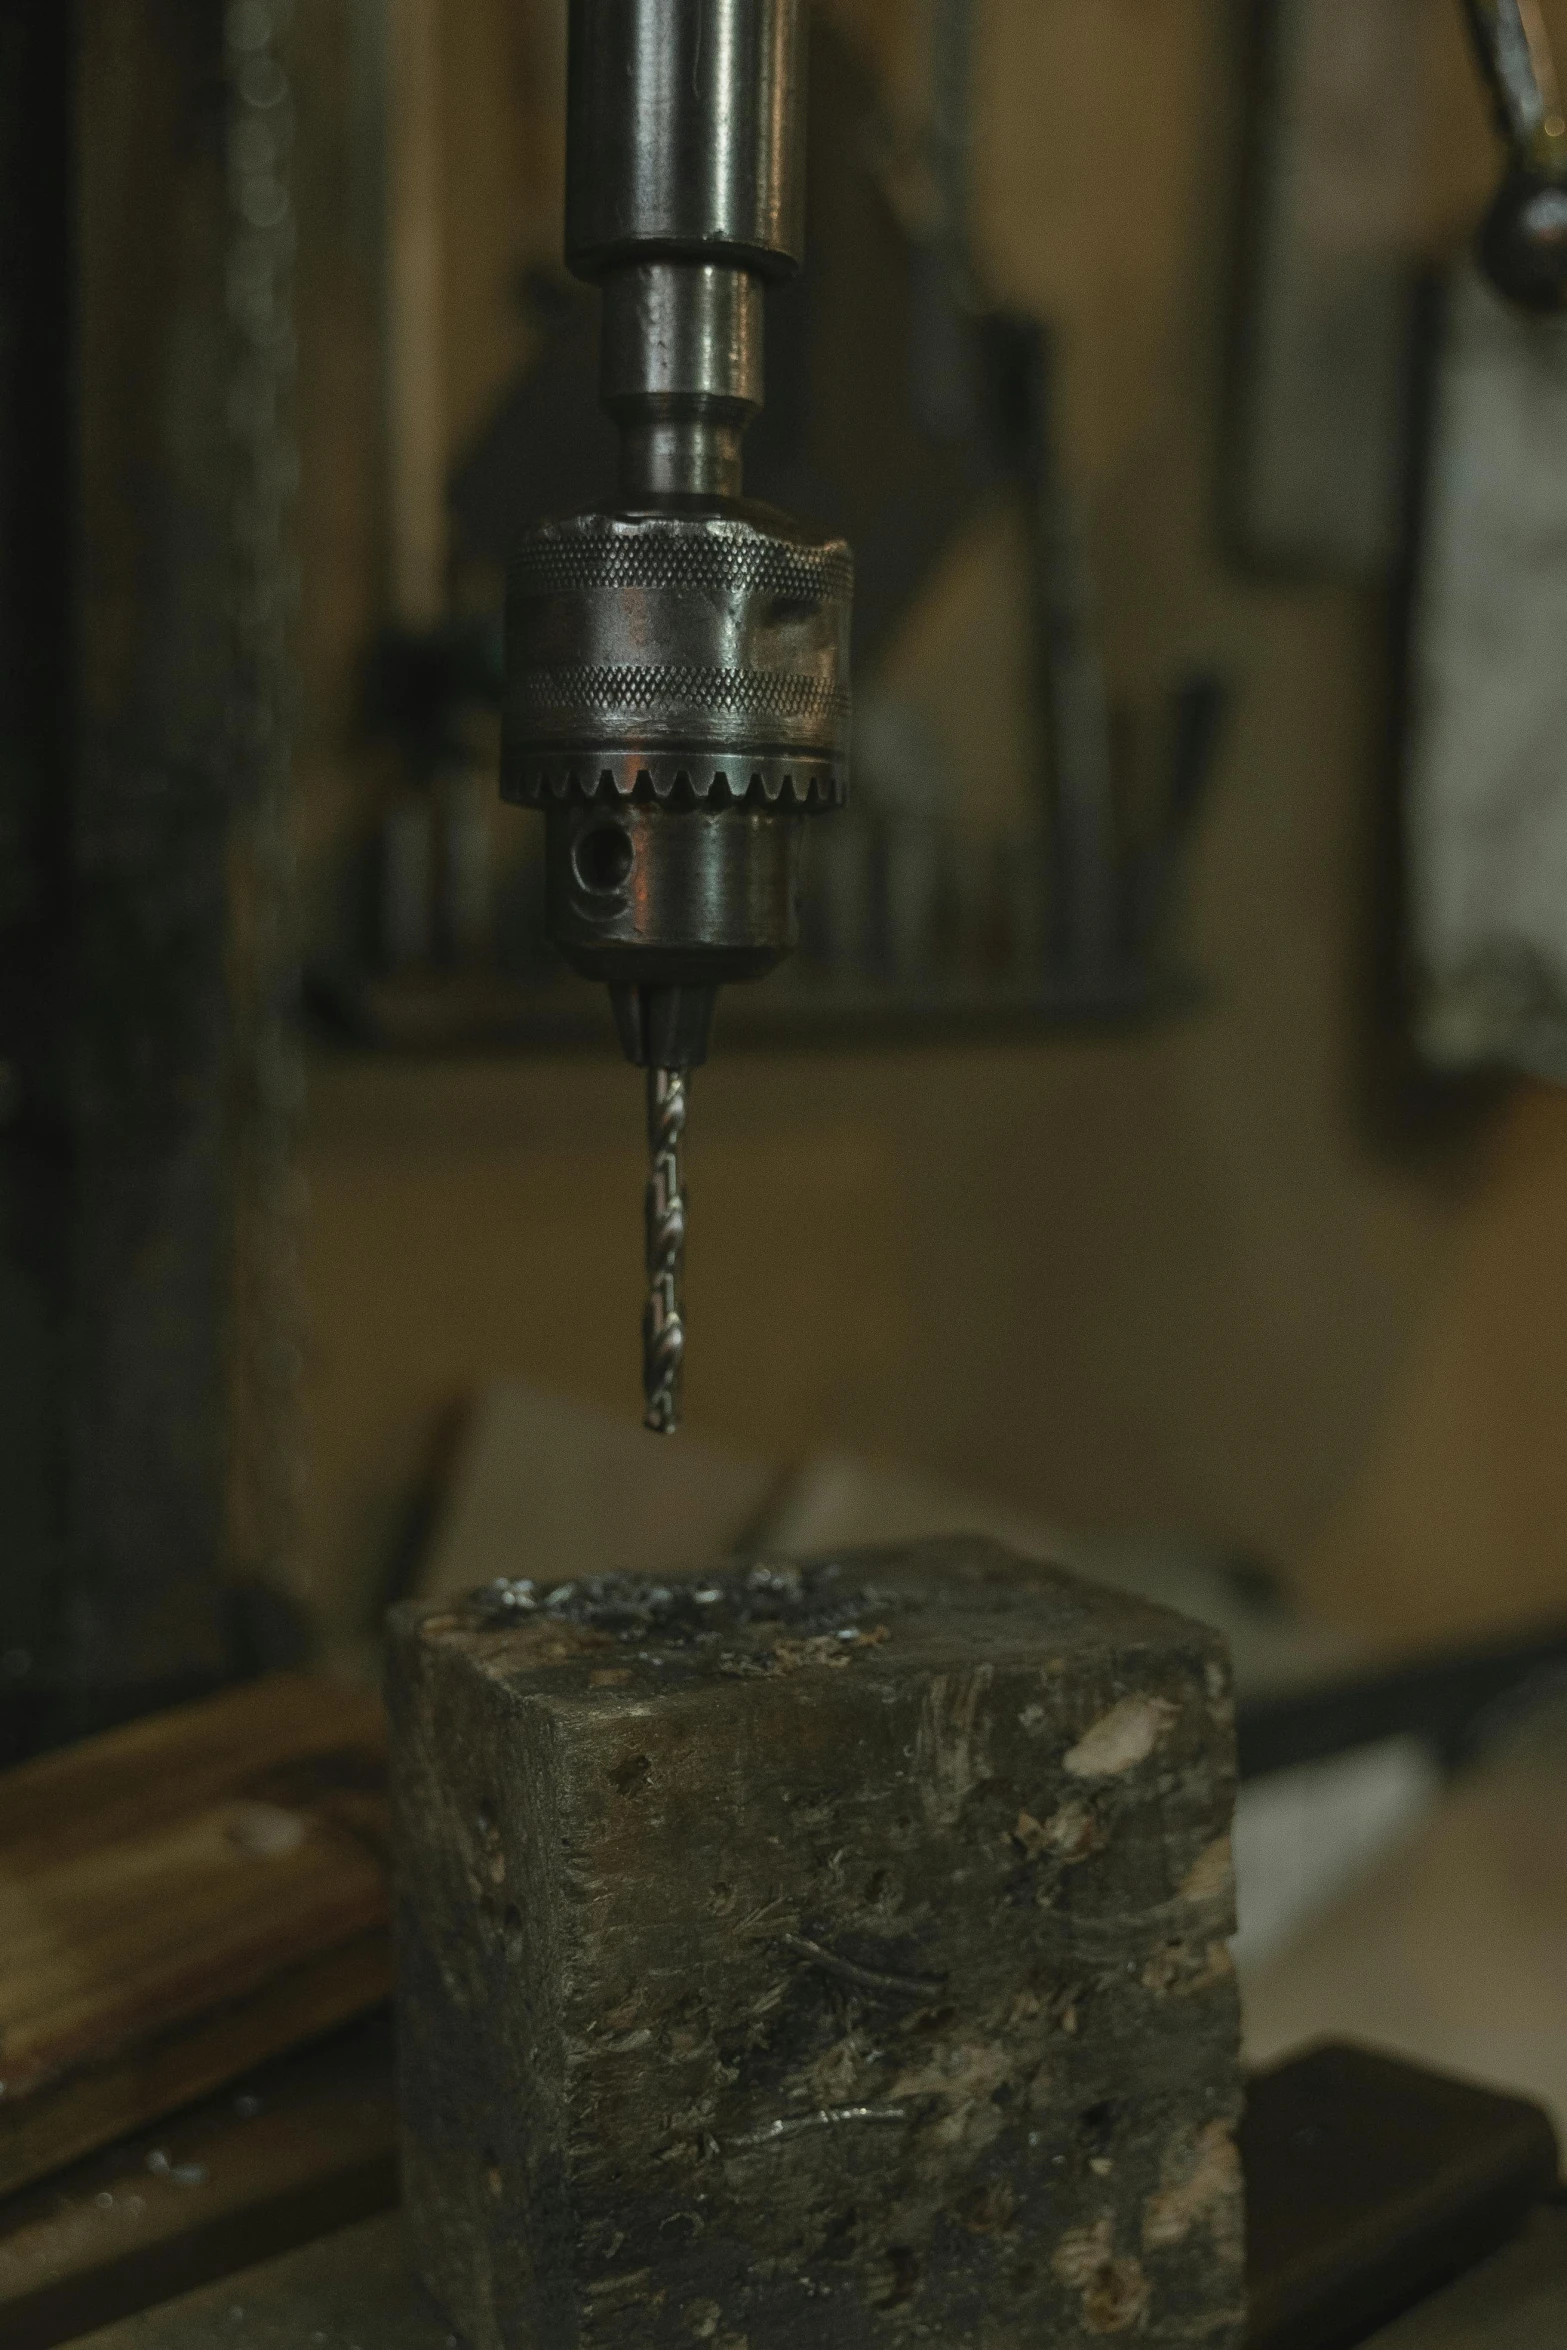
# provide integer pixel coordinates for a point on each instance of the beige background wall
(1187, 1279)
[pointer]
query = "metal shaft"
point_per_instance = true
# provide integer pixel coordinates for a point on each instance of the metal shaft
(663, 1324)
(686, 133)
(682, 374)
(676, 696)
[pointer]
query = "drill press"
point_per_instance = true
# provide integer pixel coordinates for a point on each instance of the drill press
(676, 696)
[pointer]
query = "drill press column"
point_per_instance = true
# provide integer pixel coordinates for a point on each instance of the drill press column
(677, 664)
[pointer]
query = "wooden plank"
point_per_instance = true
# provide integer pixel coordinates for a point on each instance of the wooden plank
(182, 1899)
(1370, 2184)
(289, 2153)
(355, 2291)
(1518, 2301)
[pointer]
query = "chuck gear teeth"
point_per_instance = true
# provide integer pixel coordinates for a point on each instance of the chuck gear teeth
(672, 779)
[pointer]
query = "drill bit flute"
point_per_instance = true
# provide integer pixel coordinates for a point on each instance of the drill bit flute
(676, 694)
(663, 1325)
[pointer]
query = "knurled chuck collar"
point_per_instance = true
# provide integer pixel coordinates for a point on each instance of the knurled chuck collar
(688, 659)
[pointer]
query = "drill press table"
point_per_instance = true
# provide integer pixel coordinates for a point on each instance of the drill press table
(357, 2291)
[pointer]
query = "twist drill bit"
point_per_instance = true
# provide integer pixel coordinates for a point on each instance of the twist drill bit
(663, 1325)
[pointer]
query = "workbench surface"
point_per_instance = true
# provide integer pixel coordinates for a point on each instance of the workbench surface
(356, 2291)
(1516, 2301)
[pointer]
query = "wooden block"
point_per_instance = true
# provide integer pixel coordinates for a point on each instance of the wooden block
(814, 1949)
(180, 1900)
(292, 2151)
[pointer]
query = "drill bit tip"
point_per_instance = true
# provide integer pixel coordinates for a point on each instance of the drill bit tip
(663, 1323)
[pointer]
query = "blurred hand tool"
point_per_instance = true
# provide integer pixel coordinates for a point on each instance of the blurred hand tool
(1523, 239)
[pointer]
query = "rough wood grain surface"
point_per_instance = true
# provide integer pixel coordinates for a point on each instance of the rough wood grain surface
(180, 1900)
(814, 1951)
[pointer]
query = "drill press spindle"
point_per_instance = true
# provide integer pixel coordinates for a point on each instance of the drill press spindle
(676, 694)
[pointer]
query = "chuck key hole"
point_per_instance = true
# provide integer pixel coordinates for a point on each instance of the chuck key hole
(603, 857)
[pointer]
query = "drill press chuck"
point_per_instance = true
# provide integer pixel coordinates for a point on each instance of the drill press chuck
(676, 704)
